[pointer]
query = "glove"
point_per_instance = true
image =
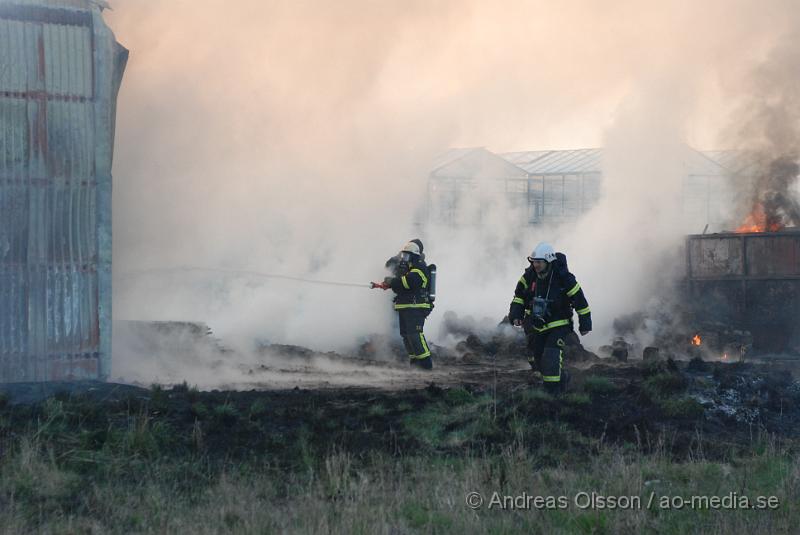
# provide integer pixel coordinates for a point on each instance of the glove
(585, 324)
(517, 323)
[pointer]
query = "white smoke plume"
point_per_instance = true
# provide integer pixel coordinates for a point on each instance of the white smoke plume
(296, 138)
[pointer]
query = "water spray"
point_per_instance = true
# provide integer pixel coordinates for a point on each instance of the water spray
(243, 273)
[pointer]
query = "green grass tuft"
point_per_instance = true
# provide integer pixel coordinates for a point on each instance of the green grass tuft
(597, 385)
(664, 384)
(258, 408)
(458, 396)
(377, 410)
(683, 407)
(577, 399)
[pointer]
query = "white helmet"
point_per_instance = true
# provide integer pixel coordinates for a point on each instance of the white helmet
(411, 247)
(543, 251)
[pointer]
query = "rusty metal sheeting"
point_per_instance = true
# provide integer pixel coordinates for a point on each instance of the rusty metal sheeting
(60, 70)
(751, 280)
(744, 255)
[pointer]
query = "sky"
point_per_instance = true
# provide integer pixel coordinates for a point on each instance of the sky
(295, 137)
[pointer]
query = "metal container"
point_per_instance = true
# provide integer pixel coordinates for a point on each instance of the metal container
(750, 281)
(60, 71)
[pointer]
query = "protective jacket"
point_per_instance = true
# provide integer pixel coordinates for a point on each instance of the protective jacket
(411, 286)
(559, 294)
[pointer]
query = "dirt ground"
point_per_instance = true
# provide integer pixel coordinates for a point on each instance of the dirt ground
(283, 400)
(681, 406)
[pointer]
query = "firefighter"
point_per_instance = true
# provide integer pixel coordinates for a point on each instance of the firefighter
(412, 283)
(543, 304)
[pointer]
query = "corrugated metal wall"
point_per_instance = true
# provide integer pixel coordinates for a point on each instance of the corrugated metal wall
(748, 280)
(60, 70)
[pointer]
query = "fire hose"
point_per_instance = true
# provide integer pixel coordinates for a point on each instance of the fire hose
(256, 274)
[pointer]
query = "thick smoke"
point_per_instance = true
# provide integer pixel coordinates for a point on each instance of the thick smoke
(296, 138)
(628, 246)
(765, 128)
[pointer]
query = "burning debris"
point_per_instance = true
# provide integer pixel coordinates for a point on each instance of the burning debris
(773, 206)
(718, 341)
(744, 289)
(661, 329)
(677, 330)
(766, 128)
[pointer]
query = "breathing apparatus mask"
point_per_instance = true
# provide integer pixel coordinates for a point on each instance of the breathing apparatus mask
(405, 261)
(540, 308)
(540, 312)
(409, 251)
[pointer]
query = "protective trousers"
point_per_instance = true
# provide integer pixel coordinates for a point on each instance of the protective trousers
(412, 321)
(546, 354)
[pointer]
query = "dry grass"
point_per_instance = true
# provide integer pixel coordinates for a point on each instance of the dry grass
(384, 494)
(188, 462)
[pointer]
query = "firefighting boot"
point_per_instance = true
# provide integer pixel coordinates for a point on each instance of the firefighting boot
(551, 370)
(552, 388)
(425, 364)
(565, 378)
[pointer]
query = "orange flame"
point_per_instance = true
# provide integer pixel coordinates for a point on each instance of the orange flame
(696, 341)
(756, 221)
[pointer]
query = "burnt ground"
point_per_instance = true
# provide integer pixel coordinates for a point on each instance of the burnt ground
(482, 403)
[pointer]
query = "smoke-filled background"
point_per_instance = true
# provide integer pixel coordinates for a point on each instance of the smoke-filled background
(295, 137)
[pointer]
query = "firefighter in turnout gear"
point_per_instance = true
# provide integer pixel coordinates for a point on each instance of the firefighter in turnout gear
(412, 282)
(543, 304)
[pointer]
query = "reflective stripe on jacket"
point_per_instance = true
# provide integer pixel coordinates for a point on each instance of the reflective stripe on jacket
(411, 287)
(565, 295)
